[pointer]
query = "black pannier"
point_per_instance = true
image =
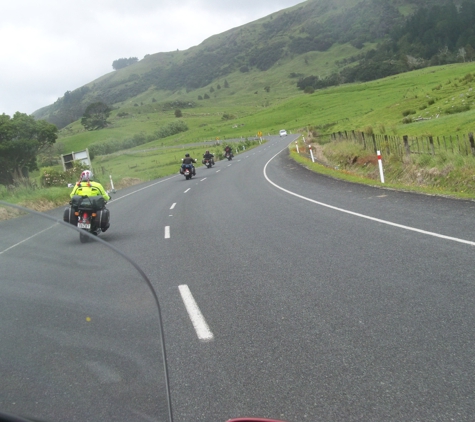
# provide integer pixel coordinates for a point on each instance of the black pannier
(102, 218)
(93, 203)
(69, 217)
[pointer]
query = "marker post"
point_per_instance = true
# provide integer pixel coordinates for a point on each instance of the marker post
(380, 163)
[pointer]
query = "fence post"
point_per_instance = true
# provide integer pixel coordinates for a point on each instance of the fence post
(374, 144)
(472, 143)
(364, 140)
(431, 142)
(406, 145)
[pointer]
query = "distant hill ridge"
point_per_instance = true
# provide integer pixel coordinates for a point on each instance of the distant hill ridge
(392, 36)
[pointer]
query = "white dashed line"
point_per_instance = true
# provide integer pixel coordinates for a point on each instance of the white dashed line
(197, 319)
(187, 190)
(173, 206)
(167, 232)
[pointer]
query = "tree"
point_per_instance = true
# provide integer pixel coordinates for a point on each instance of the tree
(121, 63)
(95, 116)
(21, 139)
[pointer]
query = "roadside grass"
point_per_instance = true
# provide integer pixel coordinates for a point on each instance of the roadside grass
(444, 174)
(40, 199)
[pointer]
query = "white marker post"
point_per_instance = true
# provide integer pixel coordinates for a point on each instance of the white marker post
(112, 184)
(380, 163)
(311, 153)
(297, 147)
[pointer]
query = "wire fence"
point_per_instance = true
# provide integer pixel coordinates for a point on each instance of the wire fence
(405, 145)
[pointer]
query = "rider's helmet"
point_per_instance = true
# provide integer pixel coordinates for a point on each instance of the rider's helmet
(187, 155)
(86, 175)
(207, 152)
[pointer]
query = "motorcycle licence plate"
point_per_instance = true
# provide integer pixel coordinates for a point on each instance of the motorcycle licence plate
(84, 226)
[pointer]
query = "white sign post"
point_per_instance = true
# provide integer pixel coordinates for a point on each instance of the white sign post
(112, 184)
(380, 163)
(311, 153)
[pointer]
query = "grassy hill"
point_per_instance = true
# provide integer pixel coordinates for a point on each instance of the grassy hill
(317, 38)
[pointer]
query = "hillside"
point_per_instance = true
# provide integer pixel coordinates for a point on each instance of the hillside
(315, 44)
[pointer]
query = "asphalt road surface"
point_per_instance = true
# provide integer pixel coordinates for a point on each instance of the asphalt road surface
(286, 294)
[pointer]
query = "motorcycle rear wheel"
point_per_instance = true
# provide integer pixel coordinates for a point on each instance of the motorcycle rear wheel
(83, 238)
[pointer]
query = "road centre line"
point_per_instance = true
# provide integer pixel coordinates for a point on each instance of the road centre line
(197, 319)
(378, 220)
(167, 232)
(203, 179)
(173, 205)
(138, 190)
(187, 190)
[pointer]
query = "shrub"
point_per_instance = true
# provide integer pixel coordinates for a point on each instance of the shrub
(408, 112)
(51, 177)
(457, 109)
(368, 130)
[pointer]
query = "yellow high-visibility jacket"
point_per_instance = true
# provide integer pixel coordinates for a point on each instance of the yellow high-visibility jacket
(89, 189)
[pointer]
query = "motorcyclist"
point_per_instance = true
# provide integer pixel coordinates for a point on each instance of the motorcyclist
(87, 187)
(208, 156)
(188, 160)
(228, 150)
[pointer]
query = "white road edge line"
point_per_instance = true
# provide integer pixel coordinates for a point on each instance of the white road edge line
(378, 220)
(201, 327)
(167, 232)
(28, 238)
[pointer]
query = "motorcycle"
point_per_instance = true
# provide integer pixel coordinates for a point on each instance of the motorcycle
(187, 171)
(81, 333)
(87, 213)
(208, 162)
(229, 155)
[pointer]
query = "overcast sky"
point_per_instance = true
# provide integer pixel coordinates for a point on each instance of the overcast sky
(53, 46)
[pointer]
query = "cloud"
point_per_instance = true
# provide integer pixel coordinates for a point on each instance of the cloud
(53, 46)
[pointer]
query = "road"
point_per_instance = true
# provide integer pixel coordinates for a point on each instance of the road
(318, 299)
